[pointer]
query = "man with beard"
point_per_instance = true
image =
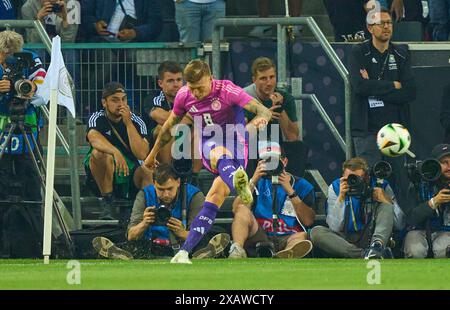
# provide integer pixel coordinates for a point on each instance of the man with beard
(383, 86)
(118, 140)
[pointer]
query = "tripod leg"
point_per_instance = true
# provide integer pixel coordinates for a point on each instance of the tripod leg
(38, 152)
(56, 198)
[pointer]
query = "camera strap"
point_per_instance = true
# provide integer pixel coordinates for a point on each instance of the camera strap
(275, 208)
(117, 134)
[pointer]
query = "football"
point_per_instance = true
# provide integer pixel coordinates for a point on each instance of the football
(393, 140)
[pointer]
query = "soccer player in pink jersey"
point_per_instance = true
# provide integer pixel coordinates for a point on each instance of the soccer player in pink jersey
(220, 105)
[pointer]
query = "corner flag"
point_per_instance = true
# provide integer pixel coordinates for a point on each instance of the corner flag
(58, 78)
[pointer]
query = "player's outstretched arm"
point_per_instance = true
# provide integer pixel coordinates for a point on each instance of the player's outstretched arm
(163, 138)
(263, 114)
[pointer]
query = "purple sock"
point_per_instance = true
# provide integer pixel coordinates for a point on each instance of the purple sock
(226, 168)
(200, 226)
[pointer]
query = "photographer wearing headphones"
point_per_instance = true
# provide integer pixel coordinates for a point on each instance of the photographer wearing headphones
(292, 198)
(22, 71)
(360, 213)
(158, 223)
(430, 216)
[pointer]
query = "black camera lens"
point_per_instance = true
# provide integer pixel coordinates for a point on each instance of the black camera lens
(382, 170)
(56, 8)
(352, 179)
(25, 88)
(357, 187)
(182, 167)
(162, 216)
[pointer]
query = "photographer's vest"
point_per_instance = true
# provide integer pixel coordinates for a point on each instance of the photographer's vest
(160, 234)
(354, 211)
(287, 218)
(18, 145)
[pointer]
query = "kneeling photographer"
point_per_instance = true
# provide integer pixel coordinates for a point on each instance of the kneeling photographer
(21, 72)
(362, 212)
(159, 223)
(275, 225)
(429, 234)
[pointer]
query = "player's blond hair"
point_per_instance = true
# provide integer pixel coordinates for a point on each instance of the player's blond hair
(10, 42)
(195, 70)
(262, 64)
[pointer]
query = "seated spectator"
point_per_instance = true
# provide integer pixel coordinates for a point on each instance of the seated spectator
(445, 113)
(53, 15)
(429, 234)
(122, 20)
(255, 232)
(279, 102)
(295, 7)
(150, 234)
(118, 140)
(157, 108)
(360, 219)
(284, 114)
(439, 19)
(195, 18)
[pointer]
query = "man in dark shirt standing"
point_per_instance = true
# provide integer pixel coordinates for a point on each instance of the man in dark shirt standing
(383, 86)
(118, 140)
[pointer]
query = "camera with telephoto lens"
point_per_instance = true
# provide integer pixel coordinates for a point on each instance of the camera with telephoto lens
(56, 8)
(358, 187)
(17, 67)
(428, 170)
(162, 216)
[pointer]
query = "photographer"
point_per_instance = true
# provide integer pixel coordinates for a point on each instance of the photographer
(53, 15)
(360, 213)
(26, 69)
(253, 226)
(157, 227)
(430, 220)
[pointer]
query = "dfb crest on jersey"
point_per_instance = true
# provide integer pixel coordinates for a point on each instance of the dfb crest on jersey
(215, 104)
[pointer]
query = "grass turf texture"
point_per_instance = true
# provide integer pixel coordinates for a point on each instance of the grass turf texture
(248, 274)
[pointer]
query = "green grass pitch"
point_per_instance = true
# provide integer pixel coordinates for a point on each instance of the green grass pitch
(223, 274)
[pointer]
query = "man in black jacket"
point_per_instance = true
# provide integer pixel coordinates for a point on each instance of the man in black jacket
(383, 86)
(430, 218)
(445, 113)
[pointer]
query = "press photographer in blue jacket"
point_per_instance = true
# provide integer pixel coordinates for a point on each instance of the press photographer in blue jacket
(359, 224)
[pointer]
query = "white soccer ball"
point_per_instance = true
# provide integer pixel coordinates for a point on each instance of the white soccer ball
(393, 140)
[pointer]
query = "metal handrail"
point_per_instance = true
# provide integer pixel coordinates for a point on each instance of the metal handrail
(282, 22)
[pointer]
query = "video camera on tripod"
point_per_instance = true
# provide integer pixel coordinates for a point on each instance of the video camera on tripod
(17, 67)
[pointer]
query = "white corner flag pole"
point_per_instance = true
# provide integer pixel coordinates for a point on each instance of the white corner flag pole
(49, 179)
(50, 90)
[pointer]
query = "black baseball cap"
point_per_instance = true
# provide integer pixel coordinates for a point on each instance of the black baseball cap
(112, 88)
(440, 151)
